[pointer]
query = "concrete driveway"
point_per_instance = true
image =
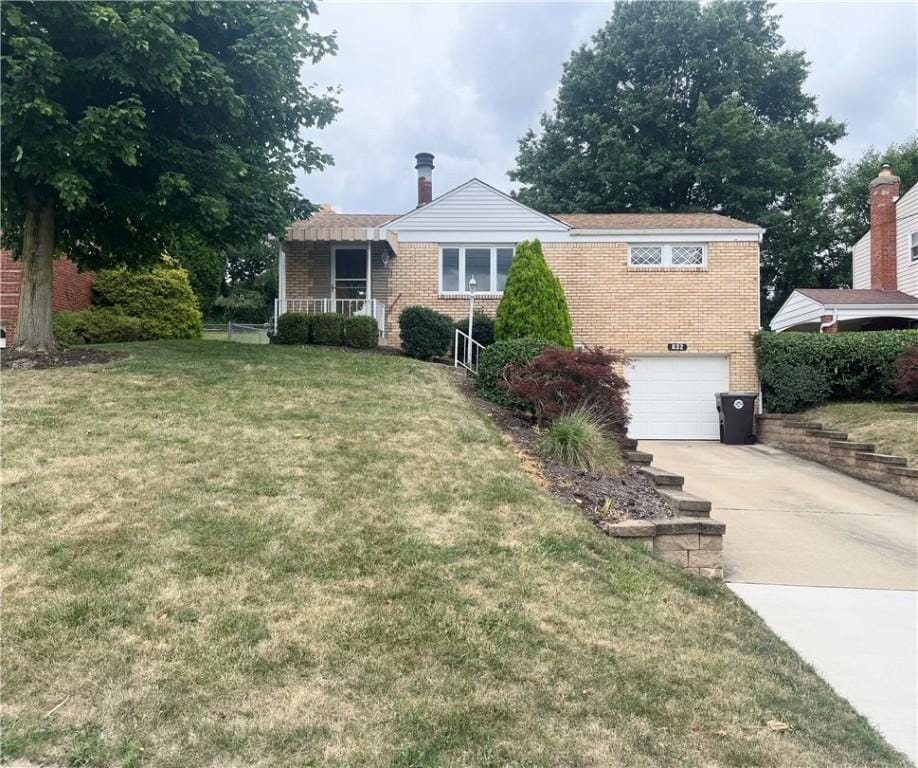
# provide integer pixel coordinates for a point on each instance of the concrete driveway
(829, 562)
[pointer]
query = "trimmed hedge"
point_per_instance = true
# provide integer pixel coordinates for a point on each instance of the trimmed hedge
(482, 328)
(96, 325)
(533, 303)
(361, 332)
(799, 370)
(497, 357)
(160, 298)
(293, 328)
(425, 333)
(327, 329)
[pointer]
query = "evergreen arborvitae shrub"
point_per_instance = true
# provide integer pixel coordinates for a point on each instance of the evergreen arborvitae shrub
(328, 329)
(533, 303)
(494, 362)
(160, 298)
(361, 332)
(425, 333)
(293, 328)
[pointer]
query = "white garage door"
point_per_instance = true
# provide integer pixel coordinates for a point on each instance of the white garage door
(672, 398)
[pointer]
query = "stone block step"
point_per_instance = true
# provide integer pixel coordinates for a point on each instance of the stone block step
(803, 424)
(904, 471)
(829, 433)
(880, 458)
(686, 504)
(845, 445)
(629, 444)
(662, 477)
(638, 457)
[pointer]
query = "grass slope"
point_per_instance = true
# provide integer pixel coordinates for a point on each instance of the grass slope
(223, 554)
(891, 427)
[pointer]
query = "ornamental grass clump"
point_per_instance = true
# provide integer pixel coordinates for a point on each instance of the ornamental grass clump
(578, 440)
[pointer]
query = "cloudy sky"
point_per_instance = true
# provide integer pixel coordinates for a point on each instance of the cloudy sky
(466, 80)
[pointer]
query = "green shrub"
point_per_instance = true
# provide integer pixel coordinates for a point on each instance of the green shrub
(240, 305)
(361, 332)
(292, 328)
(160, 298)
(205, 265)
(577, 439)
(799, 370)
(96, 325)
(425, 333)
(328, 329)
(533, 303)
(482, 328)
(497, 357)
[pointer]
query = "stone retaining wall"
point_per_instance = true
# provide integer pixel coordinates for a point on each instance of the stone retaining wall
(690, 539)
(809, 440)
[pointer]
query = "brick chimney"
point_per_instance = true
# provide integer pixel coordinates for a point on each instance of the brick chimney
(884, 191)
(425, 168)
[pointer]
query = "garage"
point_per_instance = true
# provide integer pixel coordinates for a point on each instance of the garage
(672, 397)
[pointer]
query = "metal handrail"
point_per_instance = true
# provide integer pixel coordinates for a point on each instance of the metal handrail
(471, 352)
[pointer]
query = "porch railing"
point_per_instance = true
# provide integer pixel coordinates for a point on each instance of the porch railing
(466, 352)
(371, 307)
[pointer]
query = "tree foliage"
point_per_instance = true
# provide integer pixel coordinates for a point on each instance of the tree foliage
(679, 106)
(533, 303)
(127, 123)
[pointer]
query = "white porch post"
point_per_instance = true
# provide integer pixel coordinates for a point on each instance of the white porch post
(369, 272)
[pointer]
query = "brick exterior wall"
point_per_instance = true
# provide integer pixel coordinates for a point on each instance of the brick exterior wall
(72, 290)
(714, 309)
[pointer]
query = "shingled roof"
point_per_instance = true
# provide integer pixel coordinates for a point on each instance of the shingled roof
(652, 221)
(833, 296)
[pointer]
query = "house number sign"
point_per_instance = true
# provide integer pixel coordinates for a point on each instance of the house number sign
(677, 346)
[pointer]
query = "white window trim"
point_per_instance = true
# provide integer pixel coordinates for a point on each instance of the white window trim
(913, 246)
(667, 256)
(463, 291)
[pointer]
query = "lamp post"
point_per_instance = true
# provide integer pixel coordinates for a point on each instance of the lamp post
(473, 284)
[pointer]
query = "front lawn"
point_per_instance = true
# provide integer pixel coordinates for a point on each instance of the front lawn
(222, 554)
(891, 427)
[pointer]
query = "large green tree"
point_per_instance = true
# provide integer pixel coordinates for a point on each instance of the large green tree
(679, 106)
(127, 124)
(851, 193)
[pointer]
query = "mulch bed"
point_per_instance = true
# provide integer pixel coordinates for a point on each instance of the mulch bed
(604, 499)
(11, 359)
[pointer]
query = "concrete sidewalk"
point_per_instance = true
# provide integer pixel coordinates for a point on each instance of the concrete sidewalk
(829, 562)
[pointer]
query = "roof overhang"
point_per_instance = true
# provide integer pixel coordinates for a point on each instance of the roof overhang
(801, 311)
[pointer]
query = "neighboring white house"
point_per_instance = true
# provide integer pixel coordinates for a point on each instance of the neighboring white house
(885, 272)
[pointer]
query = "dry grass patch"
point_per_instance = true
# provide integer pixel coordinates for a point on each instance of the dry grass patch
(891, 427)
(226, 554)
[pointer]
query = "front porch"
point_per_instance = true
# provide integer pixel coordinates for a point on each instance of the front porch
(350, 307)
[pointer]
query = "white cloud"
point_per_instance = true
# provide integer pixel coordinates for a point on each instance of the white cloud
(466, 80)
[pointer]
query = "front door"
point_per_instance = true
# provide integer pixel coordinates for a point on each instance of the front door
(349, 273)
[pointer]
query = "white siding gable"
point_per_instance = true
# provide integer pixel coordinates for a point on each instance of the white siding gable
(797, 310)
(906, 224)
(860, 263)
(474, 211)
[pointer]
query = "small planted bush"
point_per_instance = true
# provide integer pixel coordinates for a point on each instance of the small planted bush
(293, 328)
(327, 328)
(495, 359)
(578, 440)
(482, 328)
(907, 373)
(799, 370)
(160, 298)
(96, 325)
(533, 303)
(425, 333)
(560, 381)
(361, 332)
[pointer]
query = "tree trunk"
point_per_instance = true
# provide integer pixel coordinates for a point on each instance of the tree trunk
(34, 327)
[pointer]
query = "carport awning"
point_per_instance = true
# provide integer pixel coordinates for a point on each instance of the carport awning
(805, 307)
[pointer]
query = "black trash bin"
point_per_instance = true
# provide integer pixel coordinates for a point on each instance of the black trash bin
(737, 417)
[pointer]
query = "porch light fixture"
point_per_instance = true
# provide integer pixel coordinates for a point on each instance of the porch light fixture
(384, 256)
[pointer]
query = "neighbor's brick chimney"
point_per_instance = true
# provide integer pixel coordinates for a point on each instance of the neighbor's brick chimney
(425, 168)
(884, 191)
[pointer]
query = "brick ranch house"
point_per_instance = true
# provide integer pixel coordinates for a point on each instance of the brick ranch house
(645, 285)
(72, 291)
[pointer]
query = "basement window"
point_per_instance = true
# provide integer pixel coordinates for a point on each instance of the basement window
(488, 264)
(667, 255)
